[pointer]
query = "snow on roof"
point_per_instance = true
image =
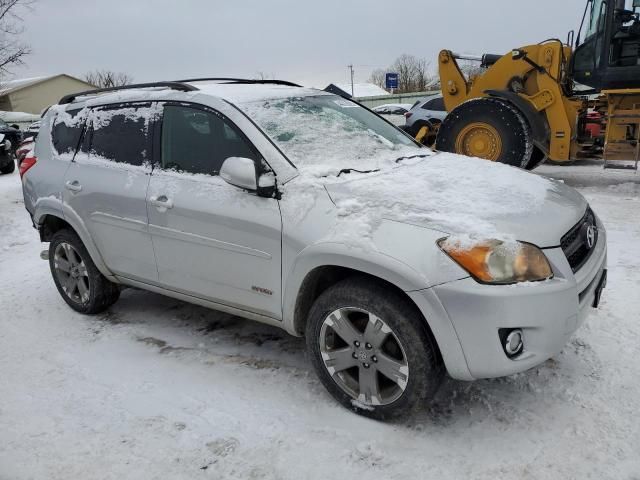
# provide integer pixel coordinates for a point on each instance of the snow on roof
(19, 117)
(7, 87)
(10, 86)
(361, 90)
(245, 93)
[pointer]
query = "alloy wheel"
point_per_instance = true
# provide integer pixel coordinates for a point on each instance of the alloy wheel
(71, 272)
(363, 356)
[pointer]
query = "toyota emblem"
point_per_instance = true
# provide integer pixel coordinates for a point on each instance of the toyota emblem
(591, 236)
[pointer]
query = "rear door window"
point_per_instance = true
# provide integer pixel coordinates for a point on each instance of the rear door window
(122, 134)
(66, 131)
(199, 141)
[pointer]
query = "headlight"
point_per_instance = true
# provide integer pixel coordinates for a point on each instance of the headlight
(497, 262)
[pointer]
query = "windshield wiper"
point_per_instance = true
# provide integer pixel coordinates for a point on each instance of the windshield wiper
(398, 160)
(349, 170)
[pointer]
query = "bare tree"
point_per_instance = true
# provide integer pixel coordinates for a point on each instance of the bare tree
(413, 73)
(404, 66)
(265, 76)
(421, 75)
(470, 68)
(107, 78)
(377, 77)
(12, 50)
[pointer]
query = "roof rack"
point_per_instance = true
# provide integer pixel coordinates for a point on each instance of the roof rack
(241, 80)
(172, 85)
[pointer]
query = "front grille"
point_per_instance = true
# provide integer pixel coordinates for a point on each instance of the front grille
(575, 243)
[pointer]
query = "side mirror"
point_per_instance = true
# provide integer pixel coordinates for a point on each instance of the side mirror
(16, 126)
(239, 172)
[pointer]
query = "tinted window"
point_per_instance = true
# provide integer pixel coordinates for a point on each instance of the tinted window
(199, 141)
(121, 134)
(436, 104)
(66, 132)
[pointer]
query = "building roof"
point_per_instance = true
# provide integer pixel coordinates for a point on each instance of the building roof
(10, 86)
(361, 90)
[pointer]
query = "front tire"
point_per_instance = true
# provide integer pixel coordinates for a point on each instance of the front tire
(372, 350)
(487, 128)
(77, 278)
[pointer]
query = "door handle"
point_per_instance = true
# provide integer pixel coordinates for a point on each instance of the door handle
(161, 202)
(73, 186)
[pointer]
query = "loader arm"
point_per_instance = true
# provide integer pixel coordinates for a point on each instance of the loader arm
(530, 80)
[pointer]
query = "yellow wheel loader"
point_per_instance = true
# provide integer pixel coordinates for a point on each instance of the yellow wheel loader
(525, 107)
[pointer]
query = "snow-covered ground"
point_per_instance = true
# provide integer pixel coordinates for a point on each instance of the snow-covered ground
(156, 388)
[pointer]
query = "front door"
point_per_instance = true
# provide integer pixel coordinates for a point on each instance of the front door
(212, 240)
(106, 187)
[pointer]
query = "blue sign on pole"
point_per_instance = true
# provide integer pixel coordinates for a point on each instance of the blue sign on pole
(391, 80)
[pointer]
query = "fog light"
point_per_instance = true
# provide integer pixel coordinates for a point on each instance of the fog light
(512, 341)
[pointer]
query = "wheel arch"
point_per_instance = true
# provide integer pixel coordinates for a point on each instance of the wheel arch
(322, 277)
(49, 223)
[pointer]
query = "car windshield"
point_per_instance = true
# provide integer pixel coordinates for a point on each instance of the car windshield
(3, 124)
(330, 131)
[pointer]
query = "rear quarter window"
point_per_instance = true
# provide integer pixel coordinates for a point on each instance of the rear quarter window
(66, 131)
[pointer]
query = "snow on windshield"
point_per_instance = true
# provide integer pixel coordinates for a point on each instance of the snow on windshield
(329, 131)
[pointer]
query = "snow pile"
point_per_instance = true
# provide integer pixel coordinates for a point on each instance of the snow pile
(455, 194)
(362, 90)
(464, 197)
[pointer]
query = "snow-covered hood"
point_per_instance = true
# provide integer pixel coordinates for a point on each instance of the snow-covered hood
(463, 197)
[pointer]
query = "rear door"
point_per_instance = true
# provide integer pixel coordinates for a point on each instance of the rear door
(106, 187)
(212, 240)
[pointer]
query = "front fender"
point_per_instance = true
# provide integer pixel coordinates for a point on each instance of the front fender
(401, 254)
(387, 268)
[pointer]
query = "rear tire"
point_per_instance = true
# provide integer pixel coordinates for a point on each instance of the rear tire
(9, 168)
(487, 128)
(77, 278)
(383, 363)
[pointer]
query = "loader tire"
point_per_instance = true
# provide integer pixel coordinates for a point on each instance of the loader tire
(487, 128)
(538, 157)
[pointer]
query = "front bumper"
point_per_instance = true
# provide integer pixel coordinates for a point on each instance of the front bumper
(547, 312)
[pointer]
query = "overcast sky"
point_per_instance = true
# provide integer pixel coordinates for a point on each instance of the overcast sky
(307, 42)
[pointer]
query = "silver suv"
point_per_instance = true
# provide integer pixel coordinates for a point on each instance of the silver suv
(301, 209)
(428, 112)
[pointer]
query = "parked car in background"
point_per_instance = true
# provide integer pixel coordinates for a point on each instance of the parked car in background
(303, 210)
(32, 130)
(11, 133)
(394, 112)
(425, 113)
(7, 156)
(28, 143)
(24, 148)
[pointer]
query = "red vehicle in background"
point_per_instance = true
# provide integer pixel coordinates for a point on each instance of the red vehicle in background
(594, 124)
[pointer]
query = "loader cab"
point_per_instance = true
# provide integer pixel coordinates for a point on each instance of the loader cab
(609, 55)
